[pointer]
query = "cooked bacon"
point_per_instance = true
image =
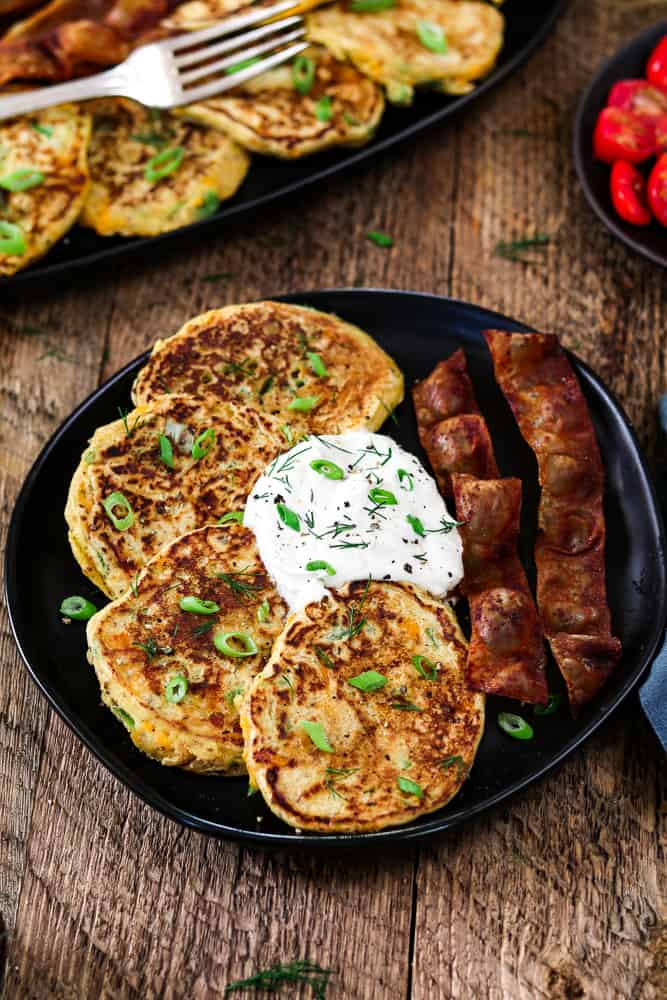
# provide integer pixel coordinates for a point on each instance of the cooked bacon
(550, 409)
(506, 655)
(451, 429)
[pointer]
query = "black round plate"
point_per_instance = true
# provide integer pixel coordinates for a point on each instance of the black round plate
(417, 330)
(527, 25)
(628, 63)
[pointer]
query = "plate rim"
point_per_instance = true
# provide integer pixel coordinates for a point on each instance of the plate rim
(609, 221)
(429, 826)
(353, 158)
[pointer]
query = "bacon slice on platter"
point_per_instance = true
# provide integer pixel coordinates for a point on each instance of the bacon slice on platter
(506, 655)
(548, 404)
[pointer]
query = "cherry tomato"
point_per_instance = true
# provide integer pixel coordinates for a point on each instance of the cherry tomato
(656, 67)
(657, 190)
(639, 97)
(620, 135)
(628, 193)
(661, 135)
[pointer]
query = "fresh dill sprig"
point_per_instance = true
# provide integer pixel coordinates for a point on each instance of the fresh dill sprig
(239, 587)
(271, 979)
(350, 545)
(514, 250)
(390, 413)
(151, 649)
(355, 622)
(445, 527)
(457, 761)
(202, 629)
(129, 431)
(406, 706)
(337, 772)
(324, 658)
(245, 368)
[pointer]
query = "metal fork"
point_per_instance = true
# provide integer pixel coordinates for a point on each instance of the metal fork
(183, 69)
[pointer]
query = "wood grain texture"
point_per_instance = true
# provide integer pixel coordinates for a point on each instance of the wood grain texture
(560, 894)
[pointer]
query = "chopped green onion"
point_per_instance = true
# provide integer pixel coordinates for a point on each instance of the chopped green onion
(324, 658)
(287, 432)
(176, 689)
(410, 787)
(235, 516)
(237, 67)
(328, 469)
(263, 611)
(44, 130)
(266, 385)
(78, 608)
(422, 664)
(317, 364)
(384, 498)
(406, 477)
(164, 163)
(117, 499)
(12, 239)
(209, 205)
(323, 109)
(223, 643)
(406, 706)
(304, 403)
(203, 443)
(554, 703)
(371, 6)
(166, 451)
(369, 680)
(415, 524)
(252, 790)
(316, 732)
(515, 725)
(380, 239)
(303, 74)
(432, 36)
(198, 607)
(288, 516)
(318, 564)
(22, 180)
(124, 717)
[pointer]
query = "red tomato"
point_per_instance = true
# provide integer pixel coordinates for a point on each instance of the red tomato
(639, 97)
(620, 135)
(656, 67)
(628, 193)
(657, 190)
(661, 135)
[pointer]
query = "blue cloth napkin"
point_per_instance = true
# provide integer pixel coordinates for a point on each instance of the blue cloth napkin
(653, 692)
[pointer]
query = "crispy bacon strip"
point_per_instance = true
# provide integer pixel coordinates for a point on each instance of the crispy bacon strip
(550, 409)
(452, 431)
(506, 655)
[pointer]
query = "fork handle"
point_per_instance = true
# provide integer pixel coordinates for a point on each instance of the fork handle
(107, 84)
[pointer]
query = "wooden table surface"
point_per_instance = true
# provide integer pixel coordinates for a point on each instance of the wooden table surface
(561, 892)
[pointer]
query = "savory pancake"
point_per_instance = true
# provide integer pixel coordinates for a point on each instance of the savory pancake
(291, 111)
(43, 182)
(162, 470)
(167, 673)
(446, 43)
(361, 719)
(196, 14)
(152, 171)
(310, 369)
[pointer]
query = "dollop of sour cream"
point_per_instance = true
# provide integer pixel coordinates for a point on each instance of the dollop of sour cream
(346, 507)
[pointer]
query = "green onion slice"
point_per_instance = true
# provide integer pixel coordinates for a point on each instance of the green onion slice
(123, 716)
(371, 6)
(203, 443)
(415, 524)
(176, 688)
(243, 644)
(425, 668)
(317, 364)
(78, 608)
(410, 787)
(323, 109)
(328, 469)
(22, 180)
(210, 204)
(554, 703)
(384, 498)
(235, 516)
(380, 239)
(12, 239)
(406, 480)
(303, 74)
(237, 67)
(318, 564)
(44, 130)
(263, 611)
(316, 732)
(166, 451)
(369, 680)
(432, 36)
(198, 607)
(117, 499)
(515, 726)
(164, 163)
(304, 403)
(289, 517)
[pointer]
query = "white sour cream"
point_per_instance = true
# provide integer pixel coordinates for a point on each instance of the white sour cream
(356, 505)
